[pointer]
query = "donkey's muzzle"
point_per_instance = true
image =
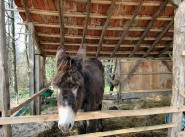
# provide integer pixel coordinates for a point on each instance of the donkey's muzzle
(66, 128)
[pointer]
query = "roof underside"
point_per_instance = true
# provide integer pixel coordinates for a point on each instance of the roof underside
(148, 35)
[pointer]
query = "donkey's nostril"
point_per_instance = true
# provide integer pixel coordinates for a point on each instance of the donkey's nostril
(69, 125)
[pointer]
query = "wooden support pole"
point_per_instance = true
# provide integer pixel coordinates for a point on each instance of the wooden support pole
(109, 14)
(88, 9)
(60, 6)
(119, 75)
(178, 68)
(31, 66)
(151, 23)
(159, 37)
(5, 131)
(125, 33)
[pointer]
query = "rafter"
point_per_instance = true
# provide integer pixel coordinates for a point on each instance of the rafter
(28, 16)
(67, 36)
(154, 17)
(92, 27)
(60, 7)
(92, 15)
(125, 33)
(109, 14)
(158, 38)
(88, 8)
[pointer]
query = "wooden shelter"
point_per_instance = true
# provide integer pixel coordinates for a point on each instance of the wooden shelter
(138, 29)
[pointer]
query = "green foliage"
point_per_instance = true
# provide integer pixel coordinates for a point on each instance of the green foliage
(50, 68)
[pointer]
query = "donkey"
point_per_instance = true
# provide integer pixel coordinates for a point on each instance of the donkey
(80, 83)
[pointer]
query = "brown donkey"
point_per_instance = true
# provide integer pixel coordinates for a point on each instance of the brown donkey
(80, 85)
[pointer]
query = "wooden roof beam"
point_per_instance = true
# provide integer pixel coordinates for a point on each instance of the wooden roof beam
(88, 8)
(109, 14)
(91, 27)
(154, 17)
(28, 16)
(92, 15)
(97, 37)
(60, 7)
(125, 33)
(158, 38)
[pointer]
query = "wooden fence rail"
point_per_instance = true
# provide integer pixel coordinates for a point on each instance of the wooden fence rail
(14, 109)
(129, 130)
(92, 115)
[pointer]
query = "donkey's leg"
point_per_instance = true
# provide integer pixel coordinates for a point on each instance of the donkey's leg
(91, 126)
(100, 121)
(81, 125)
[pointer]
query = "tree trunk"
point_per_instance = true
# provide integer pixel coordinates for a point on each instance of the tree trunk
(14, 50)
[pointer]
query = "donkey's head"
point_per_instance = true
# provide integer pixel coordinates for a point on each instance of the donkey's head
(70, 83)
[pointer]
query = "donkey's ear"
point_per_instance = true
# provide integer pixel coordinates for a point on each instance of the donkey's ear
(60, 52)
(82, 51)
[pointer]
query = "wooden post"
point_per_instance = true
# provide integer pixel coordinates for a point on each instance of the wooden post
(119, 75)
(178, 68)
(31, 66)
(37, 84)
(5, 131)
(42, 71)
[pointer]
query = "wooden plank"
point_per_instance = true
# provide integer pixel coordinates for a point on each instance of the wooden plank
(182, 94)
(128, 130)
(183, 53)
(159, 37)
(88, 8)
(119, 76)
(92, 27)
(167, 65)
(109, 14)
(31, 53)
(129, 3)
(29, 19)
(149, 26)
(178, 68)
(146, 91)
(98, 38)
(92, 115)
(14, 109)
(60, 7)
(125, 33)
(5, 131)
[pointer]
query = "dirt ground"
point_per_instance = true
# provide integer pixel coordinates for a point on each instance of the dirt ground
(50, 129)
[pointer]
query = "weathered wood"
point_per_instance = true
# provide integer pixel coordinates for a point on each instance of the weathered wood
(124, 82)
(167, 65)
(14, 109)
(109, 14)
(60, 6)
(91, 27)
(119, 75)
(5, 131)
(92, 115)
(125, 33)
(37, 84)
(159, 37)
(31, 52)
(29, 19)
(98, 38)
(149, 26)
(88, 8)
(128, 130)
(165, 49)
(178, 68)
